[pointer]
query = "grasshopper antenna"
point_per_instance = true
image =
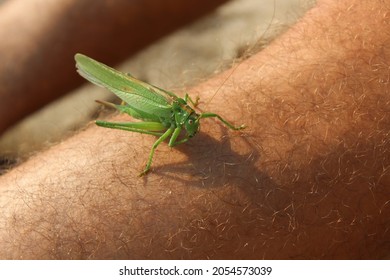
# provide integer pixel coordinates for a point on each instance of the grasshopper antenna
(234, 68)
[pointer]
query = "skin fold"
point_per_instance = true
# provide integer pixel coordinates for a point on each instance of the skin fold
(307, 179)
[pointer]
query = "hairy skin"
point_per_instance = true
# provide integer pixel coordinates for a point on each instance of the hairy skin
(307, 179)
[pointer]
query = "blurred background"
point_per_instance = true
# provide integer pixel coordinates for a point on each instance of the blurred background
(173, 44)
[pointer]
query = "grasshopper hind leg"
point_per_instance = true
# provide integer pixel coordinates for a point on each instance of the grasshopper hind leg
(151, 128)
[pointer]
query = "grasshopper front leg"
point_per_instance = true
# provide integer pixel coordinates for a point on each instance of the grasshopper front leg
(188, 98)
(213, 115)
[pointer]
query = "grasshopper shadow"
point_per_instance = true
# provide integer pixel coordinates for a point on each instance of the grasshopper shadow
(213, 163)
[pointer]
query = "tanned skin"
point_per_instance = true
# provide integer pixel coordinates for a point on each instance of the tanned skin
(307, 179)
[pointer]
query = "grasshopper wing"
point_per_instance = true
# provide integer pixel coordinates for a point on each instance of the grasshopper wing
(146, 101)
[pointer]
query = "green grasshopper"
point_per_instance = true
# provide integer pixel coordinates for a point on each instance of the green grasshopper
(163, 113)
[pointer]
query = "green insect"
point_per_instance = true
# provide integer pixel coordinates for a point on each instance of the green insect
(163, 114)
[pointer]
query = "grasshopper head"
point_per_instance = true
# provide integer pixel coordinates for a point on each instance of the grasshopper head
(192, 124)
